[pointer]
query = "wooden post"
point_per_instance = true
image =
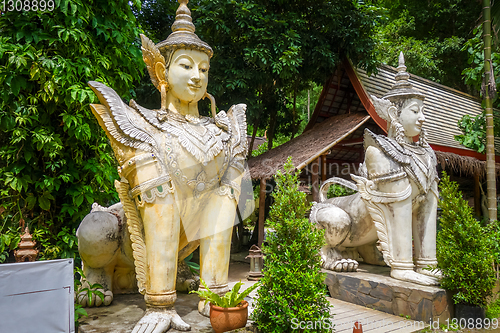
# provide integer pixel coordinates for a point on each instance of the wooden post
(262, 210)
(314, 180)
(323, 168)
(477, 196)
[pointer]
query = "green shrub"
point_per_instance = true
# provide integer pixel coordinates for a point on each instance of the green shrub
(464, 249)
(337, 190)
(292, 288)
(55, 160)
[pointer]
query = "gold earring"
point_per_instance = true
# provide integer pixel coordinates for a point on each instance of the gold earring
(163, 94)
(212, 103)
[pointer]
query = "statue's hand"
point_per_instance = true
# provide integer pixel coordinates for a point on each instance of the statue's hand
(159, 321)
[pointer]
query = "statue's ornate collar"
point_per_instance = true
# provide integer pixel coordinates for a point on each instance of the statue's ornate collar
(163, 116)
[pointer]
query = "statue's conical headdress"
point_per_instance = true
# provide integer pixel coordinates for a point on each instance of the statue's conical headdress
(402, 88)
(183, 35)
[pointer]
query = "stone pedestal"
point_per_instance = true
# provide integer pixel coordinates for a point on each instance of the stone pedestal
(373, 287)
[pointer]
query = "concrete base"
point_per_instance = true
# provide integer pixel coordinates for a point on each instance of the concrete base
(373, 287)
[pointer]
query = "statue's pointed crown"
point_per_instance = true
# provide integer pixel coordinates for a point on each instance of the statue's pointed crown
(183, 35)
(402, 88)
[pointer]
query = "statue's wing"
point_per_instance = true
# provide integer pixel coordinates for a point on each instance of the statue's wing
(148, 114)
(121, 121)
(238, 119)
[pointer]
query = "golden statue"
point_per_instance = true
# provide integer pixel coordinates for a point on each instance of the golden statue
(180, 174)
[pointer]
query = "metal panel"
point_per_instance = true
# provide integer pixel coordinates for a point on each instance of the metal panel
(37, 297)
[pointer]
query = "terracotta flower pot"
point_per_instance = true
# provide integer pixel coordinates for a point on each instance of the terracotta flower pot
(227, 319)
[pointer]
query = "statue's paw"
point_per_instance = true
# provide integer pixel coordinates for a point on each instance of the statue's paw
(159, 321)
(436, 273)
(204, 309)
(342, 265)
(412, 276)
(83, 299)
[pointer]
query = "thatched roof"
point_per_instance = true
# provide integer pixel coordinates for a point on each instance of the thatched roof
(257, 142)
(463, 165)
(306, 147)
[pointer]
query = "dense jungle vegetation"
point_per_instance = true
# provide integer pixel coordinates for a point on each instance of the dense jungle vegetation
(55, 161)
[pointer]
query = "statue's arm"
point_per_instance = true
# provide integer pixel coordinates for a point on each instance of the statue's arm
(384, 171)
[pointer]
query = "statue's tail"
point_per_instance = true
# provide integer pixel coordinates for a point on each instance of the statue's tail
(323, 190)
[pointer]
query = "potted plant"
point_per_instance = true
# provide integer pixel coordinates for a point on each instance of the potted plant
(230, 311)
(465, 253)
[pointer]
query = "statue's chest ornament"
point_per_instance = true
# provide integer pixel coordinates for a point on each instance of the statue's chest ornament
(199, 136)
(201, 183)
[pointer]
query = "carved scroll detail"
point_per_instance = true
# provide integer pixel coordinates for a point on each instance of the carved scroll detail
(135, 228)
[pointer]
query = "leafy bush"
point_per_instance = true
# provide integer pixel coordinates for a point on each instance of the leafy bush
(337, 190)
(293, 285)
(55, 161)
(230, 300)
(464, 249)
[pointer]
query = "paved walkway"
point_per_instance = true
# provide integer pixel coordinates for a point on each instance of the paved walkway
(372, 321)
(126, 310)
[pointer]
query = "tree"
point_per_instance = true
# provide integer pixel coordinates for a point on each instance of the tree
(490, 88)
(431, 34)
(55, 161)
(266, 52)
(292, 288)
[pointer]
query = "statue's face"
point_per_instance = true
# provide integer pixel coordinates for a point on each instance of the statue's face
(187, 75)
(412, 117)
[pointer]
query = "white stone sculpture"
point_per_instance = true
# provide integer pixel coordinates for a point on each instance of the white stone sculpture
(396, 200)
(180, 173)
(106, 250)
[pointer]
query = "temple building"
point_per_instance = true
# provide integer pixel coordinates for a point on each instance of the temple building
(332, 142)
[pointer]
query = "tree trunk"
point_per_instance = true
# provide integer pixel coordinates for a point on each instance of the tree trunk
(254, 133)
(490, 145)
(295, 121)
(272, 127)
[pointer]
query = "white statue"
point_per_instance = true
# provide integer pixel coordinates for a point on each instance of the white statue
(397, 196)
(180, 173)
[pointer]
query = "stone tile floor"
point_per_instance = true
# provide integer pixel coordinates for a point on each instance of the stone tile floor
(126, 310)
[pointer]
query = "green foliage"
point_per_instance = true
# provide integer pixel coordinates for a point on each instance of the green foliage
(431, 34)
(266, 52)
(493, 309)
(193, 267)
(9, 239)
(474, 128)
(337, 190)
(464, 249)
(474, 132)
(292, 286)
(230, 300)
(262, 148)
(83, 287)
(55, 161)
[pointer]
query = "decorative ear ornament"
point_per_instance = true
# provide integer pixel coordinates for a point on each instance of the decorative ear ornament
(152, 56)
(212, 103)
